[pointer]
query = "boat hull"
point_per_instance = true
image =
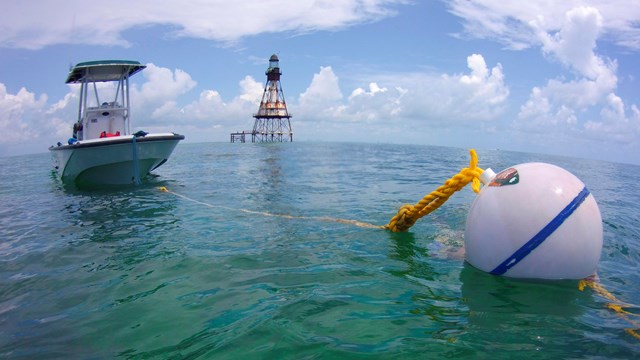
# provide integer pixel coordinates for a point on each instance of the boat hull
(119, 160)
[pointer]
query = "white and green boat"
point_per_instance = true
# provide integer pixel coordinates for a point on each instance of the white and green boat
(102, 150)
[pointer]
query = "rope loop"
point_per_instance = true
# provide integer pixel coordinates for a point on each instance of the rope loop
(409, 214)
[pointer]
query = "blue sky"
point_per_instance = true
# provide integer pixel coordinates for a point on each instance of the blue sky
(534, 76)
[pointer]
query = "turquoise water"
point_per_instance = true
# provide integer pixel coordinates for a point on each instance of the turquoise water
(137, 273)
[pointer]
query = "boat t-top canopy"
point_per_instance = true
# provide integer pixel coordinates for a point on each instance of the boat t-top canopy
(103, 70)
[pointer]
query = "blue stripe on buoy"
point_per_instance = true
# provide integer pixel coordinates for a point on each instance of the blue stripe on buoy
(541, 236)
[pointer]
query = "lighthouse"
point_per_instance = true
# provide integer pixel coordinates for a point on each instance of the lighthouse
(272, 121)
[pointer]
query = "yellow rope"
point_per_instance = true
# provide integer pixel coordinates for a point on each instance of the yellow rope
(617, 307)
(409, 214)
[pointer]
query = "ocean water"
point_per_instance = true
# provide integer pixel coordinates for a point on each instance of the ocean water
(239, 260)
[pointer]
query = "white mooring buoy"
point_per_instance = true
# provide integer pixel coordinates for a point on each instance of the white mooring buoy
(534, 220)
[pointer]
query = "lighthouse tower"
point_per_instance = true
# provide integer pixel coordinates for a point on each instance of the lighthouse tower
(272, 120)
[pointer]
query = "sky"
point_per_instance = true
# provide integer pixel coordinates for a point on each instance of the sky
(538, 76)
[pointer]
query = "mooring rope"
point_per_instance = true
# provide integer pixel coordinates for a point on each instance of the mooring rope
(616, 305)
(285, 216)
(406, 216)
(409, 214)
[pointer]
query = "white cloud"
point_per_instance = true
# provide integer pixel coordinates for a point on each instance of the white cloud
(575, 43)
(210, 117)
(91, 22)
(373, 105)
(457, 99)
(489, 86)
(563, 105)
(407, 100)
(614, 123)
(163, 113)
(21, 115)
(157, 95)
(324, 86)
(373, 89)
(162, 84)
(251, 90)
(516, 24)
(208, 106)
(322, 98)
(568, 33)
(478, 68)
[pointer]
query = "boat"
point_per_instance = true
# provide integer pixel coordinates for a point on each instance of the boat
(102, 149)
